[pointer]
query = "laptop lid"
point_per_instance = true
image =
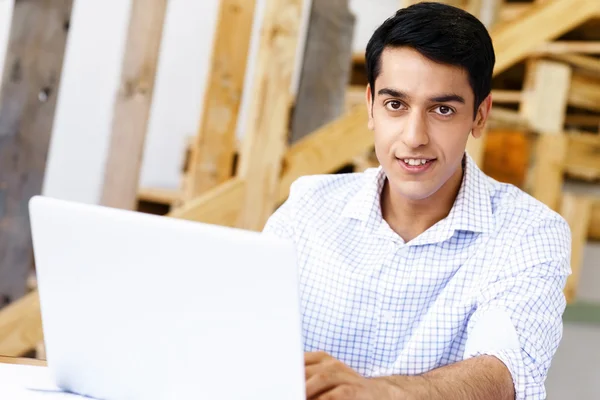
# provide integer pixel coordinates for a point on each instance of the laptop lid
(139, 306)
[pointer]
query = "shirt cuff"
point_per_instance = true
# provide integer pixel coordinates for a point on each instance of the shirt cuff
(513, 359)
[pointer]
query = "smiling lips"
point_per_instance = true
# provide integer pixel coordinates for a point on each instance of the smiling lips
(415, 165)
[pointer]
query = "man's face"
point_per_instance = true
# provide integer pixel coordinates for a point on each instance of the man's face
(422, 116)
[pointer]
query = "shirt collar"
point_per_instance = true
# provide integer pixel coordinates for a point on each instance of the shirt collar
(472, 209)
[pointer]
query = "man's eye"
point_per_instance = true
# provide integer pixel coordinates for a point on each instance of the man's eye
(444, 110)
(393, 105)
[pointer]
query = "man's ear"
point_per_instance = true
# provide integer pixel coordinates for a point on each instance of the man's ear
(482, 116)
(369, 101)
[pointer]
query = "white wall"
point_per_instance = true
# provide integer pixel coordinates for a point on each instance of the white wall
(6, 7)
(90, 78)
(369, 15)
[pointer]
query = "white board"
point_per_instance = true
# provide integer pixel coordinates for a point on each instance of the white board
(369, 15)
(179, 90)
(6, 9)
(89, 83)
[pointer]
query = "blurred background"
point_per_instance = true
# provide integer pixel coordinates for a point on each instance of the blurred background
(207, 110)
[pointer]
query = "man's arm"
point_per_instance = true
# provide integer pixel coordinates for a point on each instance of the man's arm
(483, 377)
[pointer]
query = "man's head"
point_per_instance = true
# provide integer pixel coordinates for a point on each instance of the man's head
(430, 70)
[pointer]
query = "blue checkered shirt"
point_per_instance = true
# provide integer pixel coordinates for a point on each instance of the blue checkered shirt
(386, 307)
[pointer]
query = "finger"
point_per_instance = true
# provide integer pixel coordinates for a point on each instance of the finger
(315, 357)
(324, 380)
(339, 392)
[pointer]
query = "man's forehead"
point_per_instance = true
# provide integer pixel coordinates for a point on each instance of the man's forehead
(405, 69)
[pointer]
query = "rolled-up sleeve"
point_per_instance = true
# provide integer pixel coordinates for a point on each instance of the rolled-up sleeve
(529, 291)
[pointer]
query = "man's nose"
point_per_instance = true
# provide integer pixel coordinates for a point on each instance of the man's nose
(415, 130)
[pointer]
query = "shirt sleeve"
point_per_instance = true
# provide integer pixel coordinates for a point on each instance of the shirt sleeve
(529, 293)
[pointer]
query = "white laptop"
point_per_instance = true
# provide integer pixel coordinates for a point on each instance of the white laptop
(137, 306)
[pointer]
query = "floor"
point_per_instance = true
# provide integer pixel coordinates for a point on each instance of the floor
(575, 370)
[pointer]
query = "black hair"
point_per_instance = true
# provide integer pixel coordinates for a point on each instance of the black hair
(442, 33)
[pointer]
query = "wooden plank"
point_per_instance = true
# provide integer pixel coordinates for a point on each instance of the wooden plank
(220, 205)
(355, 95)
(213, 150)
(583, 120)
(266, 135)
(132, 104)
(583, 156)
(585, 92)
(507, 96)
(327, 149)
(545, 95)
(512, 11)
(507, 156)
(551, 151)
(21, 326)
(542, 22)
(28, 97)
(325, 69)
(23, 361)
(594, 228)
(576, 210)
(567, 46)
(159, 195)
(582, 63)
(504, 117)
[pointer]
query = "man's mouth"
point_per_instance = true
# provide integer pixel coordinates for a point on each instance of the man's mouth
(416, 164)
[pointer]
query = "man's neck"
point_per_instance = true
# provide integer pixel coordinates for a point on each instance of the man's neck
(410, 218)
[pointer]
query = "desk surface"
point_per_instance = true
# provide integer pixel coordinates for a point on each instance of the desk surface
(22, 361)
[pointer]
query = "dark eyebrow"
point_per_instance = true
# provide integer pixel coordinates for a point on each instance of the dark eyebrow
(393, 93)
(446, 98)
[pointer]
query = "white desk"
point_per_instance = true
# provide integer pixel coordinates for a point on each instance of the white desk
(29, 379)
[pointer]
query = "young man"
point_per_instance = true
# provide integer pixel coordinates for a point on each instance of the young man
(424, 278)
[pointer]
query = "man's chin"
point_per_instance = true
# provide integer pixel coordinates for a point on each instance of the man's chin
(414, 191)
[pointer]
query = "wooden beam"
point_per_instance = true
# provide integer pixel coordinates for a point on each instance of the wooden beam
(158, 195)
(545, 94)
(583, 120)
(512, 11)
(266, 133)
(582, 63)
(585, 92)
(577, 211)
(327, 149)
(220, 205)
(502, 117)
(21, 326)
(583, 156)
(132, 104)
(548, 173)
(325, 69)
(594, 228)
(28, 96)
(355, 95)
(213, 150)
(565, 46)
(542, 22)
(507, 96)
(23, 361)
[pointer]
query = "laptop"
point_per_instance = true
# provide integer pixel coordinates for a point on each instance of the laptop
(140, 306)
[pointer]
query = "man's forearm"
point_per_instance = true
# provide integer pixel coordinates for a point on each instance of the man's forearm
(482, 377)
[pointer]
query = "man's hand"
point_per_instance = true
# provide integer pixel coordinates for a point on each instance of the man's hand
(330, 379)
